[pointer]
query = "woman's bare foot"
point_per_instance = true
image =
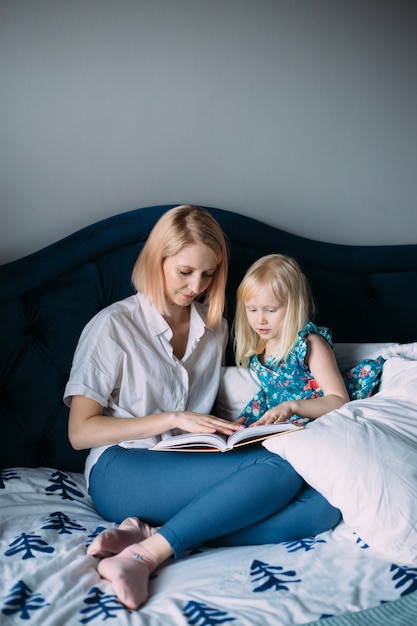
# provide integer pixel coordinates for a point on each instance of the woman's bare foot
(113, 540)
(129, 573)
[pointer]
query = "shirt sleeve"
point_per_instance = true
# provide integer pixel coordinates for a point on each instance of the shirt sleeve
(96, 365)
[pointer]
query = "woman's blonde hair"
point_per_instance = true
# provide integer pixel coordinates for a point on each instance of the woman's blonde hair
(289, 286)
(179, 227)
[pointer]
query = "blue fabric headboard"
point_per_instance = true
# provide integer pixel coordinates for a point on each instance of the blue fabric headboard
(363, 293)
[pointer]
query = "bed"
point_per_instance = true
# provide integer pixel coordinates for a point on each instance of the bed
(364, 571)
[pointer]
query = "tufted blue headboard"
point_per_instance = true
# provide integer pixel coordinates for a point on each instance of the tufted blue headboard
(363, 293)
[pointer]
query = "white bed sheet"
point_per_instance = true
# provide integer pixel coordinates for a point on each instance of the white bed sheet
(47, 519)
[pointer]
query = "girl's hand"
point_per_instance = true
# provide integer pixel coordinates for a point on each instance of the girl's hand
(276, 415)
(200, 423)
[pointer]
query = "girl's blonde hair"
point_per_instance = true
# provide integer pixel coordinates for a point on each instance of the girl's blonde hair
(289, 286)
(179, 227)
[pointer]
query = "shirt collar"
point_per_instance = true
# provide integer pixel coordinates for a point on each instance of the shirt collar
(158, 325)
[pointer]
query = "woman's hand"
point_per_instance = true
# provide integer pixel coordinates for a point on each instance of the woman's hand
(88, 427)
(200, 423)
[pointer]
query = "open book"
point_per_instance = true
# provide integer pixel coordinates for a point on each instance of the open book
(215, 442)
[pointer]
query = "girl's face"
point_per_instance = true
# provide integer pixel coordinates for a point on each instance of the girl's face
(188, 274)
(266, 314)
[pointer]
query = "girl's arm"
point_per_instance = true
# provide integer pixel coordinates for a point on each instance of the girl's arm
(88, 427)
(321, 361)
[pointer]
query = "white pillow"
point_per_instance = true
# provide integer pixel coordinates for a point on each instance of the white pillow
(399, 379)
(363, 459)
(237, 386)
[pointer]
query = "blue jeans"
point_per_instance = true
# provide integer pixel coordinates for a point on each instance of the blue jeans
(243, 497)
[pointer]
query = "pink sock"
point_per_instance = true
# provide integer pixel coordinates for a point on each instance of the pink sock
(142, 554)
(114, 540)
(129, 573)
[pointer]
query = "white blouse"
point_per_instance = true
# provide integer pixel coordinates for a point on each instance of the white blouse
(125, 362)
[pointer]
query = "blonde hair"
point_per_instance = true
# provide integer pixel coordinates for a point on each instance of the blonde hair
(289, 285)
(179, 227)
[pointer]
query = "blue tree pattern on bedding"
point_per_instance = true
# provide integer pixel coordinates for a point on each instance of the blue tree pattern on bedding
(261, 570)
(28, 543)
(404, 576)
(303, 544)
(62, 523)
(22, 600)
(64, 485)
(360, 542)
(8, 474)
(200, 614)
(102, 605)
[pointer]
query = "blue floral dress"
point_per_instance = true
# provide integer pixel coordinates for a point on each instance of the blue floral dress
(285, 380)
(292, 380)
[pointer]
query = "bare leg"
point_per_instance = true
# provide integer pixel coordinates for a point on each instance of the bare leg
(129, 570)
(113, 540)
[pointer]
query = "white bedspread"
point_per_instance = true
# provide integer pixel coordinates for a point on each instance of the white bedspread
(47, 579)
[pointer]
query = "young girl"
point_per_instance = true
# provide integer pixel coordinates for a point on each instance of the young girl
(292, 357)
(149, 365)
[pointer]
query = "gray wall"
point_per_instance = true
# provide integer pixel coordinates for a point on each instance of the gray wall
(302, 113)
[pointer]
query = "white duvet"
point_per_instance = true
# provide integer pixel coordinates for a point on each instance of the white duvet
(47, 579)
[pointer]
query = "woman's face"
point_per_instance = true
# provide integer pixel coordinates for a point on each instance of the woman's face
(188, 274)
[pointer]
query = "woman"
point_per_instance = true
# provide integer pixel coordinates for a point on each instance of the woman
(149, 365)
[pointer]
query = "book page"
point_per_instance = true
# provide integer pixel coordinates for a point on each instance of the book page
(193, 441)
(259, 432)
(202, 442)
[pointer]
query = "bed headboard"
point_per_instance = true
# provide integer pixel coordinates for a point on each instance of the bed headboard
(363, 293)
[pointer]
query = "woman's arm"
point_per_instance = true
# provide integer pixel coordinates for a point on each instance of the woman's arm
(88, 427)
(321, 362)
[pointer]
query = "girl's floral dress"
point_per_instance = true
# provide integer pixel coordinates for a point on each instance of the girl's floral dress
(292, 380)
(285, 380)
